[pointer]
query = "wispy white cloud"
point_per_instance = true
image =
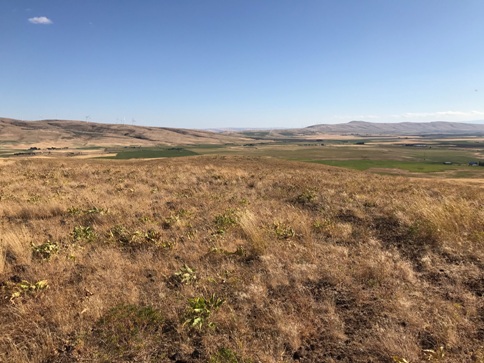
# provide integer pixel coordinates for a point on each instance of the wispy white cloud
(40, 20)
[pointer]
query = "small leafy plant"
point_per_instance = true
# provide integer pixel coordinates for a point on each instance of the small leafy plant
(45, 251)
(127, 238)
(174, 218)
(152, 236)
(170, 222)
(186, 275)
(74, 211)
(120, 234)
(435, 354)
(322, 225)
(200, 309)
(397, 359)
(283, 231)
(81, 233)
(225, 220)
(306, 197)
(15, 290)
(96, 210)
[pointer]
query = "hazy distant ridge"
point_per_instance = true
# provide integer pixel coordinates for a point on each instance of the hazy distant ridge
(401, 128)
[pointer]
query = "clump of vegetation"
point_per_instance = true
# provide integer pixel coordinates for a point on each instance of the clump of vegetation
(170, 221)
(45, 251)
(186, 275)
(307, 197)
(16, 289)
(200, 309)
(83, 234)
(400, 360)
(283, 231)
(437, 354)
(225, 220)
(126, 238)
(92, 210)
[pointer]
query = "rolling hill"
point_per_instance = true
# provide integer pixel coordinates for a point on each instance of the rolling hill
(78, 134)
(60, 133)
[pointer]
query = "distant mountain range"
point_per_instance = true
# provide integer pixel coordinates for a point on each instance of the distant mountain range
(363, 128)
(401, 128)
(60, 133)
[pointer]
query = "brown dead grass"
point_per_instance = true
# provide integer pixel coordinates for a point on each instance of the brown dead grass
(314, 264)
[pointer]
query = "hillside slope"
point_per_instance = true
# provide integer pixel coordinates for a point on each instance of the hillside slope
(60, 133)
(236, 259)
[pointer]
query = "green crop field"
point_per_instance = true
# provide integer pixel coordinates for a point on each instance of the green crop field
(150, 153)
(423, 167)
(374, 157)
(443, 158)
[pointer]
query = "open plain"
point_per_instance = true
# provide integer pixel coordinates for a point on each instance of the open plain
(220, 258)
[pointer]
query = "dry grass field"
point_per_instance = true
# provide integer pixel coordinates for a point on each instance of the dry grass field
(236, 259)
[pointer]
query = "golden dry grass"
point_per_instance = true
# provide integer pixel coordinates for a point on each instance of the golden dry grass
(235, 259)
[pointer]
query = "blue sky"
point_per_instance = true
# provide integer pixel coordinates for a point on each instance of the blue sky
(242, 63)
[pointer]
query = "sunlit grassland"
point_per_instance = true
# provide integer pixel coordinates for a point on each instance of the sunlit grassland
(236, 259)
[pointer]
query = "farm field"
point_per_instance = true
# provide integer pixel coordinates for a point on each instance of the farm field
(236, 258)
(385, 156)
(440, 157)
(150, 153)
